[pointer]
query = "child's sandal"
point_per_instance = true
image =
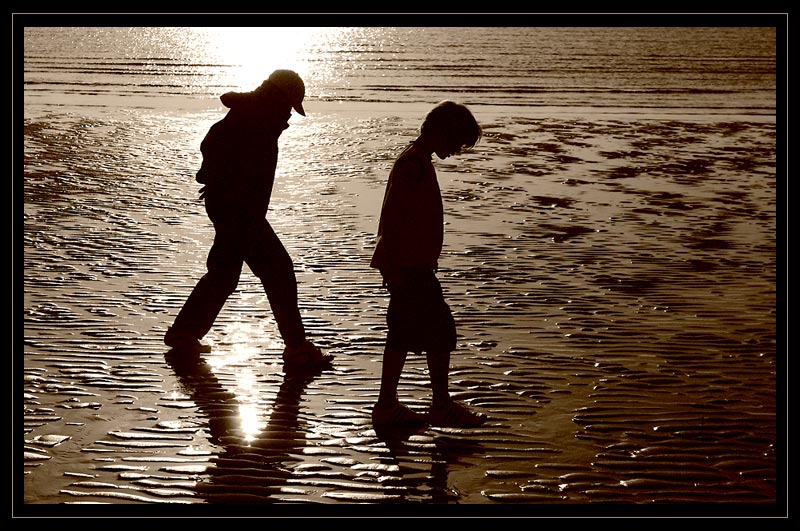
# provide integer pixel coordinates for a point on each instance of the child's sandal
(395, 415)
(455, 415)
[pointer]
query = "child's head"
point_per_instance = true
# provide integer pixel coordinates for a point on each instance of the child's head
(453, 123)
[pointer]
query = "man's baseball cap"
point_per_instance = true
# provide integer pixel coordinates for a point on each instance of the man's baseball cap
(292, 85)
(287, 81)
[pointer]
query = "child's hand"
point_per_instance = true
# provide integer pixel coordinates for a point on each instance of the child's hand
(390, 277)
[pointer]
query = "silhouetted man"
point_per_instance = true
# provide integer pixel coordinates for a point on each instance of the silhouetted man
(240, 153)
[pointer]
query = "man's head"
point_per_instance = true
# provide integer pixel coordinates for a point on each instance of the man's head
(291, 85)
(285, 84)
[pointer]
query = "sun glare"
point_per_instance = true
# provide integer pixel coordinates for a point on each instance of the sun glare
(252, 421)
(253, 53)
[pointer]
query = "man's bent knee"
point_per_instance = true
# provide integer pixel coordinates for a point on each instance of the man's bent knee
(223, 280)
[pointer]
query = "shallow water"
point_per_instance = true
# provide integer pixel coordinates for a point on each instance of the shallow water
(613, 277)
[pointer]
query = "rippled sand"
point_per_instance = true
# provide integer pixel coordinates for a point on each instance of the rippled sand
(614, 283)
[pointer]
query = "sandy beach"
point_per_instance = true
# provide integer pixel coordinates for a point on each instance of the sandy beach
(613, 280)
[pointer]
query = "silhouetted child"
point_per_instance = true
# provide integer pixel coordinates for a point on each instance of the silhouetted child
(410, 237)
(240, 154)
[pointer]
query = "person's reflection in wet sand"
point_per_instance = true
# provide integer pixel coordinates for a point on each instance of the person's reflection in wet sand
(434, 487)
(247, 471)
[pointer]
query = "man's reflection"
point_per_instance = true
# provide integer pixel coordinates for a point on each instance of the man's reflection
(249, 469)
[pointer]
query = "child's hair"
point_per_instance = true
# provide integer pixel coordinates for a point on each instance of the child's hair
(454, 121)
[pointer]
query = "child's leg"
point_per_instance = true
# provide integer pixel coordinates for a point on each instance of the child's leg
(388, 410)
(393, 362)
(439, 370)
(444, 410)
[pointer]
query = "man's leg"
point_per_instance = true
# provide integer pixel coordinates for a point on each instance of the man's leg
(270, 262)
(267, 258)
(209, 295)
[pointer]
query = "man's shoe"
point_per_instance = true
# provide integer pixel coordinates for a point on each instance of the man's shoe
(184, 342)
(306, 358)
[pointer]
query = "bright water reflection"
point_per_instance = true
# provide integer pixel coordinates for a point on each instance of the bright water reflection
(708, 69)
(251, 412)
(250, 54)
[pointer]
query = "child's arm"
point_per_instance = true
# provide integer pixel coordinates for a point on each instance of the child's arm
(401, 192)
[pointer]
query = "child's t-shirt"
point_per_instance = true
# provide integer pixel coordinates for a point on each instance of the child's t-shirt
(411, 227)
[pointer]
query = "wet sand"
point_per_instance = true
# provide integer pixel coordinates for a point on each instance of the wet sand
(613, 280)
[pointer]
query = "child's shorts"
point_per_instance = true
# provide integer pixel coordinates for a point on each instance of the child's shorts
(418, 318)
